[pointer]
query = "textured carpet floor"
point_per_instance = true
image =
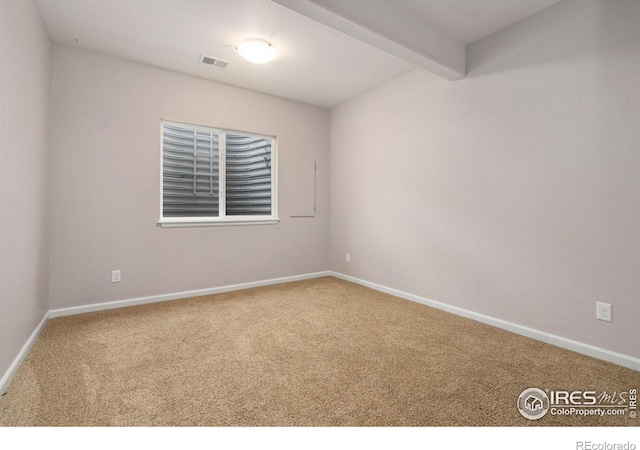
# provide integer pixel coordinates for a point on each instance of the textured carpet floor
(318, 352)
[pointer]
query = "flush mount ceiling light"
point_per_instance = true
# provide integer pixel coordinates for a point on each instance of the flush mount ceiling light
(257, 51)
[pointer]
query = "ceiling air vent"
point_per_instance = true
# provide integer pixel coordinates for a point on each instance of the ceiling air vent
(215, 62)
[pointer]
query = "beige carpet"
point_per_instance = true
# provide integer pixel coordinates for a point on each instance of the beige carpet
(318, 352)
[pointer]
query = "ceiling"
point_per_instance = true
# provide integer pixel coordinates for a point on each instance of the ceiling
(431, 34)
(329, 50)
(470, 20)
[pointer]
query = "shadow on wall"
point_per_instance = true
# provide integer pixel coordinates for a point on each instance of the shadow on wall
(571, 71)
(550, 36)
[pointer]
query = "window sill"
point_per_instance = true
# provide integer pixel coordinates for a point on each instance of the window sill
(205, 222)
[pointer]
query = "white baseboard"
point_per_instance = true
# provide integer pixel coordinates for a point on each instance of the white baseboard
(176, 295)
(6, 378)
(51, 314)
(559, 341)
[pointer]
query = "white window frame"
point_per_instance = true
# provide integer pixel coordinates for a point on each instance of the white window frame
(223, 219)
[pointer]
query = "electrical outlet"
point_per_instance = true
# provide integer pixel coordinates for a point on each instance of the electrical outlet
(603, 311)
(115, 276)
(347, 258)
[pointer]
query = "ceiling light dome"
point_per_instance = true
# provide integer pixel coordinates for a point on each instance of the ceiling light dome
(257, 51)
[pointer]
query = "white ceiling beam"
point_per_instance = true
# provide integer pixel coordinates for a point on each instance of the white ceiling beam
(381, 25)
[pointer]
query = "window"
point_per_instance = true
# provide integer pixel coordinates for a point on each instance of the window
(212, 176)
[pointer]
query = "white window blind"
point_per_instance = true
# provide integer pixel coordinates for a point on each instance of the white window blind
(248, 175)
(214, 176)
(191, 171)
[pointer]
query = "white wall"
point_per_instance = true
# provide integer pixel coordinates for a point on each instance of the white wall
(105, 183)
(24, 174)
(515, 192)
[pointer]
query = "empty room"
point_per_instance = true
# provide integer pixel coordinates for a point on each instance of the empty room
(320, 213)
